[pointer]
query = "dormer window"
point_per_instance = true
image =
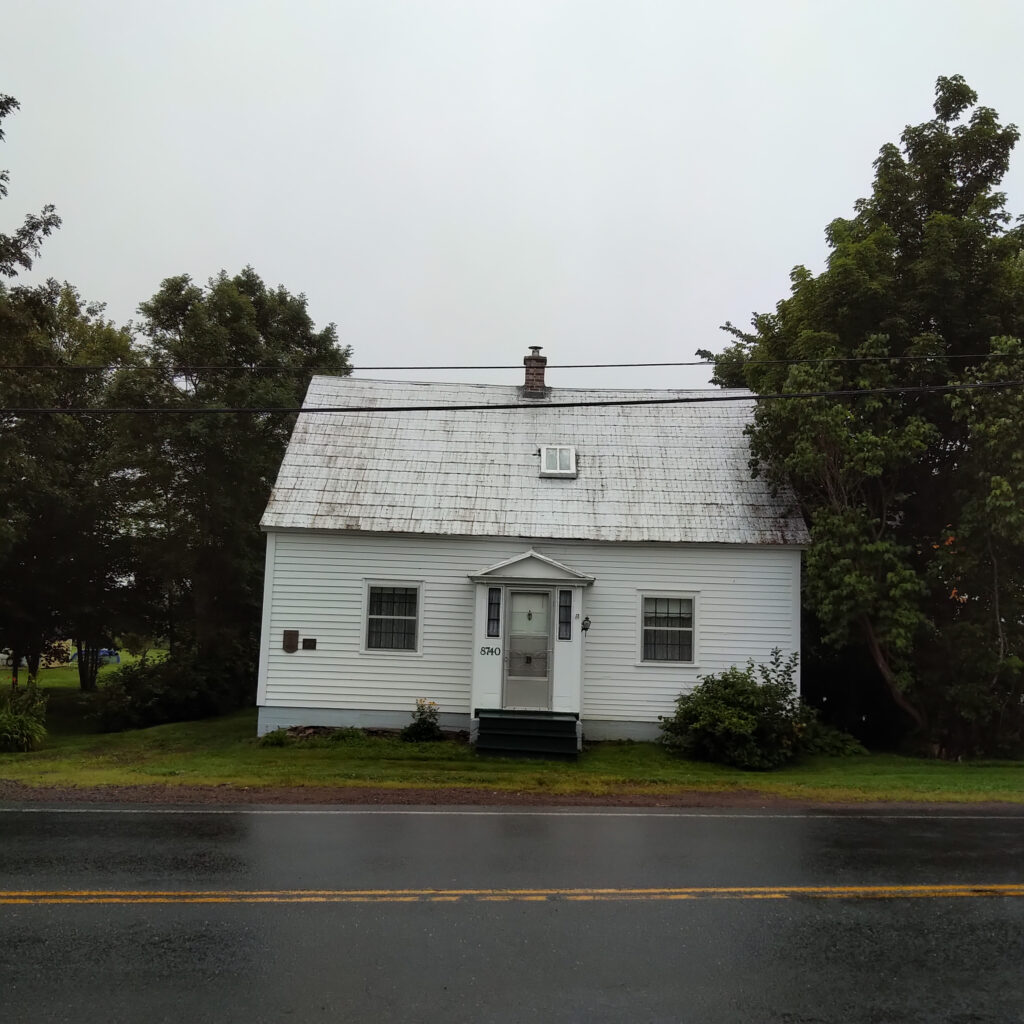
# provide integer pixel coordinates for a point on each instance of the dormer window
(558, 460)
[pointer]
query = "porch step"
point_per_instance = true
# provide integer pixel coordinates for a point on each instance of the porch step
(549, 734)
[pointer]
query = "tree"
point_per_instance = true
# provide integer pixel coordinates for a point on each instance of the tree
(200, 482)
(919, 284)
(62, 562)
(19, 249)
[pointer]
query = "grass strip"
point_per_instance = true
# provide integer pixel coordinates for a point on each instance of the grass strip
(225, 752)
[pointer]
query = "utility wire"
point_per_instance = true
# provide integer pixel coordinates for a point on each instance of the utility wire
(271, 368)
(711, 396)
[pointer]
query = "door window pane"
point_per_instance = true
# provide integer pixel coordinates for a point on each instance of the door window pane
(529, 614)
(528, 657)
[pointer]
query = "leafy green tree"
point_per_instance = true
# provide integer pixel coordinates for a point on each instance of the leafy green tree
(929, 270)
(56, 512)
(200, 482)
(974, 664)
(62, 561)
(19, 249)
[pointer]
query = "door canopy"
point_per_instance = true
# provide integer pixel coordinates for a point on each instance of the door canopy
(532, 569)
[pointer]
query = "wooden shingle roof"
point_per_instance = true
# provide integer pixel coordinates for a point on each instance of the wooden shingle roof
(677, 473)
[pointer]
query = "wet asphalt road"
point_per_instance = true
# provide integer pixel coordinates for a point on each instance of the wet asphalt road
(795, 960)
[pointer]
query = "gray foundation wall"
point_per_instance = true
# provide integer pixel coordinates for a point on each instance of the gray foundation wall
(271, 718)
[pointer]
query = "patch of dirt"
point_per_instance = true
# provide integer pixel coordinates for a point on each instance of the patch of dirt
(225, 795)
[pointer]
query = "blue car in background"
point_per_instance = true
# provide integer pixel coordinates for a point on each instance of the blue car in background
(107, 657)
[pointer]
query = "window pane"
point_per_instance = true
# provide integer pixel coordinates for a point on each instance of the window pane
(551, 459)
(494, 611)
(392, 619)
(393, 601)
(563, 459)
(565, 615)
(529, 615)
(528, 657)
(391, 634)
(668, 612)
(668, 645)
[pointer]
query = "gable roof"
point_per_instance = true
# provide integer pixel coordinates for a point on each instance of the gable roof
(677, 473)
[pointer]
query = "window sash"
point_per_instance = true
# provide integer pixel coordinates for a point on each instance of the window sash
(668, 645)
(392, 618)
(558, 460)
(494, 611)
(565, 615)
(667, 629)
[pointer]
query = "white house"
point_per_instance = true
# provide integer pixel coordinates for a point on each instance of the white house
(517, 548)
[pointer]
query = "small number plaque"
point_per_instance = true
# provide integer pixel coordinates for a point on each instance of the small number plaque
(490, 650)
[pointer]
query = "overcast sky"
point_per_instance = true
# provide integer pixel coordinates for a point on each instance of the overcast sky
(451, 181)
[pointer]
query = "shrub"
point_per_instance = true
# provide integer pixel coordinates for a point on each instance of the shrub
(22, 719)
(733, 718)
(138, 645)
(424, 727)
(828, 741)
(172, 689)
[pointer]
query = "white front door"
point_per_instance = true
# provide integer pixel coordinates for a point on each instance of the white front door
(528, 651)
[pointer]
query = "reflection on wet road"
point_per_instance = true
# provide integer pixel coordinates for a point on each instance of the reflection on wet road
(507, 915)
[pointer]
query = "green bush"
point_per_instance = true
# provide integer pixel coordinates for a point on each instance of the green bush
(748, 718)
(152, 692)
(22, 718)
(424, 727)
(828, 741)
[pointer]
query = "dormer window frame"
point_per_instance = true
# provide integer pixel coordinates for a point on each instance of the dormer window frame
(561, 471)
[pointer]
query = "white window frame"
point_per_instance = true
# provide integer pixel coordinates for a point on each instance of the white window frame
(569, 473)
(364, 619)
(686, 595)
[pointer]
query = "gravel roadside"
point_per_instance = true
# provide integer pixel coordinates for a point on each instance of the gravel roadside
(740, 799)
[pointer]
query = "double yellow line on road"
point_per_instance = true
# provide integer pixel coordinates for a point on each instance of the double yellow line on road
(786, 892)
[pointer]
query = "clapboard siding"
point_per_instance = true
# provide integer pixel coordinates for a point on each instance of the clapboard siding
(747, 603)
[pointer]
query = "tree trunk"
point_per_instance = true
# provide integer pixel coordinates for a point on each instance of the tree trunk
(32, 663)
(88, 665)
(170, 621)
(892, 684)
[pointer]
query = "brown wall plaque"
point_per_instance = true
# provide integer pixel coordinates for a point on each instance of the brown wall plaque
(291, 640)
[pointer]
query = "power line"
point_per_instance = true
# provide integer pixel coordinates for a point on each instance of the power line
(690, 399)
(272, 368)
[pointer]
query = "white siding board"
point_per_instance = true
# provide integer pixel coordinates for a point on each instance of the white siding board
(746, 598)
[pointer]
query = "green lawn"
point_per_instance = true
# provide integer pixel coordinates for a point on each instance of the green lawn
(224, 751)
(68, 707)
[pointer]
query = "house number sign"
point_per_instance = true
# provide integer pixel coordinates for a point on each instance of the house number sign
(490, 650)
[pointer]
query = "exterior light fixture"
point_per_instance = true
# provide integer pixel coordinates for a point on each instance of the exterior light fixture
(585, 624)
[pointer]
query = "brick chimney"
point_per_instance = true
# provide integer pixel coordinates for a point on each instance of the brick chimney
(535, 363)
